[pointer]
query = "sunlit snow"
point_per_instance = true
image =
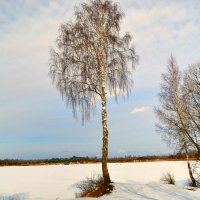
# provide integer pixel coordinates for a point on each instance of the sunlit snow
(135, 181)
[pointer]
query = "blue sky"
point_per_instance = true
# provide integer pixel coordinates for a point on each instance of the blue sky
(34, 121)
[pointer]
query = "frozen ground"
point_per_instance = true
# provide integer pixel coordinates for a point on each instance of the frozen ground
(135, 181)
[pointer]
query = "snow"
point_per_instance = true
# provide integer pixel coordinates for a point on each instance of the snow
(135, 181)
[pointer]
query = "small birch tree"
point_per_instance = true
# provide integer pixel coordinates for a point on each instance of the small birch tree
(92, 59)
(171, 113)
(191, 90)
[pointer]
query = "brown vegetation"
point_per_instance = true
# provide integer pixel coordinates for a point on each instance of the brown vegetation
(94, 186)
(86, 160)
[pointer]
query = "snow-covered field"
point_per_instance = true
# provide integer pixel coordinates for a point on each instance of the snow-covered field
(132, 181)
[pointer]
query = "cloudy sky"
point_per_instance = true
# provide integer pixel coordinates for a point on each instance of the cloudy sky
(34, 121)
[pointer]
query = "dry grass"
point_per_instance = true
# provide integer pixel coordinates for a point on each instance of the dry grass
(93, 186)
(168, 178)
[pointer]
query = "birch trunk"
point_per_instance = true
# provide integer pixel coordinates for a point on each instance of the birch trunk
(106, 175)
(185, 142)
(105, 141)
(183, 131)
(194, 183)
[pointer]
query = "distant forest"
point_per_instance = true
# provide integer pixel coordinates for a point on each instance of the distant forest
(85, 160)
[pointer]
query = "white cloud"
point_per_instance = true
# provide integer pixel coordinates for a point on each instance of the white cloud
(139, 110)
(157, 33)
(156, 22)
(121, 151)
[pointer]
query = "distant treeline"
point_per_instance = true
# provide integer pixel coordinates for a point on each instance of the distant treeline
(84, 160)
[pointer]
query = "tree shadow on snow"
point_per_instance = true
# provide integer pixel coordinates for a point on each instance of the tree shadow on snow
(18, 196)
(171, 191)
(154, 191)
(131, 190)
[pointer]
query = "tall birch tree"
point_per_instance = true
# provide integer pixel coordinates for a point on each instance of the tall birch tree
(91, 60)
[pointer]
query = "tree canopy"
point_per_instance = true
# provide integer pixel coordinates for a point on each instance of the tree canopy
(75, 63)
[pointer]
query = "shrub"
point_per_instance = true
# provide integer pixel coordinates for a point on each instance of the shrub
(93, 186)
(168, 178)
